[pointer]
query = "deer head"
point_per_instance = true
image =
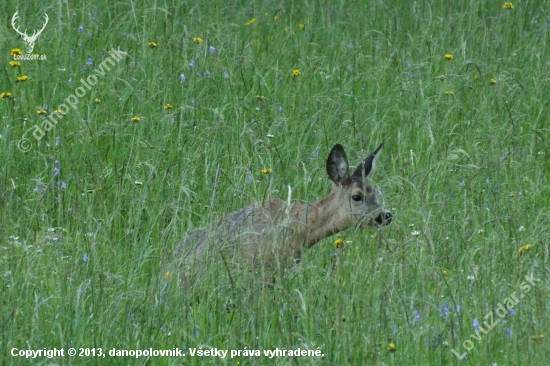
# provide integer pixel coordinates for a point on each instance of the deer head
(356, 200)
(29, 40)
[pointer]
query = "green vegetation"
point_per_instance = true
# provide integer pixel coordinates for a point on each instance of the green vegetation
(89, 214)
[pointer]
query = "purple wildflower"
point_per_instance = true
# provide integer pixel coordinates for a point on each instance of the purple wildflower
(416, 315)
(444, 310)
(475, 324)
(81, 28)
(211, 49)
(90, 62)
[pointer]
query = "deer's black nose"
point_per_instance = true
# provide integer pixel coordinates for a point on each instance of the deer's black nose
(384, 218)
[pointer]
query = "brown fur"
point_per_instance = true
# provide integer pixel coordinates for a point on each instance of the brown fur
(273, 234)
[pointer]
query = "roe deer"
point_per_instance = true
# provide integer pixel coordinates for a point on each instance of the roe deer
(274, 231)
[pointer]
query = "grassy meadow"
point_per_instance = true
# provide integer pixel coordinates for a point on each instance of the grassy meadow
(177, 131)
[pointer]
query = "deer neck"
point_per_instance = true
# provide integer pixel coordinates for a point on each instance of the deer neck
(318, 220)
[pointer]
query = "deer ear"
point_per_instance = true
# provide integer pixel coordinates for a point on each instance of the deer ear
(337, 164)
(366, 168)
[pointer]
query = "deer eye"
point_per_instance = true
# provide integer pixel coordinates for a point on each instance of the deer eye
(357, 198)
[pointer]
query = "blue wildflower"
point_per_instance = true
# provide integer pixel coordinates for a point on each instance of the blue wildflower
(81, 28)
(475, 324)
(90, 62)
(416, 315)
(182, 78)
(211, 49)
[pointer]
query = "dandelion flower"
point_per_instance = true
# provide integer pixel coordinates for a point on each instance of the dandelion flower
(167, 274)
(302, 26)
(168, 106)
(57, 111)
(197, 40)
(445, 272)
(296, 73)
(524, 248)
(339, 243)
(152, 44)
(391, 347)
(15, 63)
(266, 171)
(449, 92)
(16, 51)
(22, 78)
(448, 57)
(508, 6)
(97, 100)
(251, 21)
(492, 81)
(41, 112)
(5, 95)
(136, 119)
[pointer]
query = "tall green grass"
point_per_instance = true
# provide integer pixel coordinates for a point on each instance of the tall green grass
(464, 169)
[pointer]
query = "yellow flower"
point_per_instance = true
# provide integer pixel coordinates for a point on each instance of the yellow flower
(507, 5)
(41, 112)
(449, 92)
(537, 337)
(15, 63)
(166, 274)
(168, 106)
(492, 81)
(15, 51)
(57, 111)
(152, 44)
(5, 95)
(296, 73)
(97, 100)
(136, 119)
(524, 248)
(260, 97)
(302, 26)
(476, 77)
(267, 171)
(197, 40)
(445, 272)
(22, 78)
(339, 243)
(275, 17)
(251, 21)
(448, 56)
(392, 348)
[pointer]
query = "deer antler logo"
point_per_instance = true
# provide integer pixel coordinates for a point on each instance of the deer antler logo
(29, 40)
